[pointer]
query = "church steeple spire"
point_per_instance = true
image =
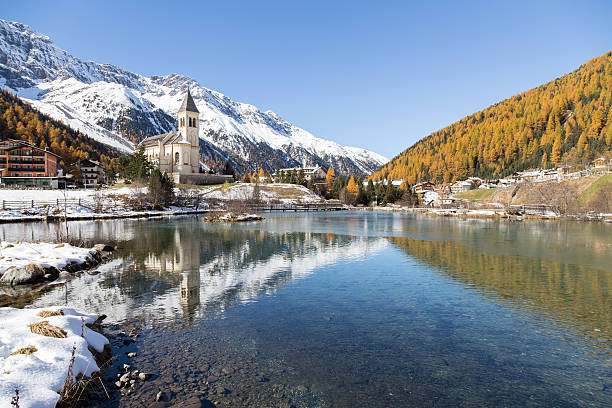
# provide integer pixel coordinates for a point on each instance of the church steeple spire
(188, 104)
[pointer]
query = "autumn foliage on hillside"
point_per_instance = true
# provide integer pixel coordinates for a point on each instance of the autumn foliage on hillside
(568, 120)
(18, 120)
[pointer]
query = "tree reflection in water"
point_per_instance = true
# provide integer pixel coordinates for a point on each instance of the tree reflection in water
(574, 297)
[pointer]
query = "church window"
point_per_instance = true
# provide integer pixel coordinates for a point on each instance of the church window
(176, 158)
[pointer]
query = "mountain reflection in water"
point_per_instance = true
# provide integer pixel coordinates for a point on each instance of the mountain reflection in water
(175, 272)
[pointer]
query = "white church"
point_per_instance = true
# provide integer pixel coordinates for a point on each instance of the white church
(177, 152)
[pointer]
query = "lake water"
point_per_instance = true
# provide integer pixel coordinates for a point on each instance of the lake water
(354, 309)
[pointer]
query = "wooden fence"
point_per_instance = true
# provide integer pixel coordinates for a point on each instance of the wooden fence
(102, 204)
(25, 204)
(297, 207)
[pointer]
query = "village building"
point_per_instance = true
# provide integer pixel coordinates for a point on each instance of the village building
(563, 170)
(23, 164)
(487, 186)
(178, 153)
(92, 173)
(396, 183)
(316, 174)
(602, 163)
(430, 198)
(460, 186)
(421, 188)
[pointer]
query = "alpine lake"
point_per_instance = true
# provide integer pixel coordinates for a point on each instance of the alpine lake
(350, 309)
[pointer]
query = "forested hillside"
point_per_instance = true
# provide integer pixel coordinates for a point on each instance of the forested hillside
(18, 120)
(568, 120)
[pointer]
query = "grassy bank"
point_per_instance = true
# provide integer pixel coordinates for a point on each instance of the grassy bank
(574, 196)
(479, 195)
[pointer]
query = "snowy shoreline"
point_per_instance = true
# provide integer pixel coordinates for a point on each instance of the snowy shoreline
(488, 213)
(41, 348)
(46, 351)
(27, 263)
(13, 218)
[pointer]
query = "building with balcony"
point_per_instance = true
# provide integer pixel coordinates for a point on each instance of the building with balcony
(92, 173)
(24, 164)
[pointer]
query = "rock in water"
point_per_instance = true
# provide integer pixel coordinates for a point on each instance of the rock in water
(103, 248)
(159, 396)
(31, 273)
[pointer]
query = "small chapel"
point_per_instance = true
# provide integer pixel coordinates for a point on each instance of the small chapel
(177, 153)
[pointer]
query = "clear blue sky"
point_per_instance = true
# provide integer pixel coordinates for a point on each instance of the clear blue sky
(379, 75)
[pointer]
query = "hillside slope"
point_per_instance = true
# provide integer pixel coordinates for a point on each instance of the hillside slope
(19, 120)
(119, 108)
(573, 196)
(567, 120)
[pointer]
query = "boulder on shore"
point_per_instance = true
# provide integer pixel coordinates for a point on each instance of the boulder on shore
(31, 273)
(103, 248)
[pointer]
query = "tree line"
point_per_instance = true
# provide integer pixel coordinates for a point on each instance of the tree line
(350, 190)
(566, 121)
(19, 120)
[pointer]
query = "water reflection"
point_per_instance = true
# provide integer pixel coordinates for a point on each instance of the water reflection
(364, 309)
(190, 270)
(570, 298)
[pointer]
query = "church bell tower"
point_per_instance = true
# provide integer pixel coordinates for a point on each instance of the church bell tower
(188, 117)
(189, 128)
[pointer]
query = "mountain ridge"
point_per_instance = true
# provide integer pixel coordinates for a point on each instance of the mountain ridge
(119, 108)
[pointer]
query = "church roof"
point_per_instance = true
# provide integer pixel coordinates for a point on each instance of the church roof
(188, 104)
(166, 138)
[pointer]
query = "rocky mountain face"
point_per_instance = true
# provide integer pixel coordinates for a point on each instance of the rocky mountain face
(118, 108)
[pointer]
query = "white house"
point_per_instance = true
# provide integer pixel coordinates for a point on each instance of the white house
(92, 173)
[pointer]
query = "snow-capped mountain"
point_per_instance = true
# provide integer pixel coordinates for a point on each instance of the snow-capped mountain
(109, 104)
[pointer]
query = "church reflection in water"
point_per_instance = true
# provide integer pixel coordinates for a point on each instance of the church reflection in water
(215, 268)
(181, 258)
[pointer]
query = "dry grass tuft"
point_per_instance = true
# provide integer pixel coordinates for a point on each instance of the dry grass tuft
(45, 329)
(25, 350)
(49, 313)
(75, 393)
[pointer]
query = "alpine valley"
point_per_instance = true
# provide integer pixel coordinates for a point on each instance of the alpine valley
(118, 108)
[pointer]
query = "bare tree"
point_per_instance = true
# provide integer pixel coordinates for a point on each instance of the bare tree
(189, 197)
(138, 196)
(98, 200)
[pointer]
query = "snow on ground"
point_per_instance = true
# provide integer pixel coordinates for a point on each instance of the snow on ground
(44, 254)
(241, 217)
(51, 202)
(41, 374)
(43, 195)
(285, 193)
(111, 205)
